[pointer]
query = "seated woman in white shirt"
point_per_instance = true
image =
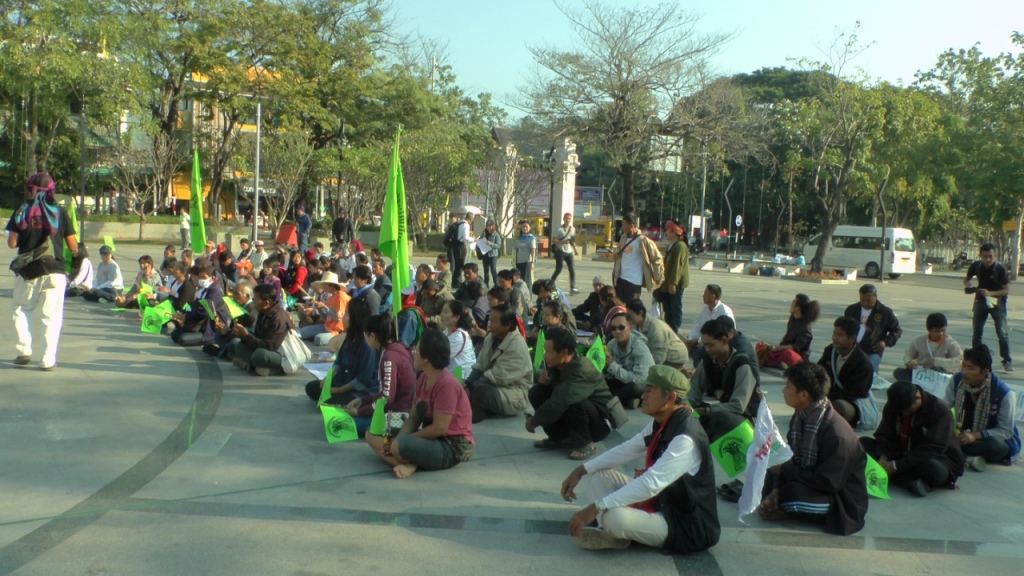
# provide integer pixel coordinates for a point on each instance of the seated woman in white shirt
(109, 282)
(82, 275)
(458, 320)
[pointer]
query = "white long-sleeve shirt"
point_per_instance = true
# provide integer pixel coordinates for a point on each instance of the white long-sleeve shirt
(465, 234)
(108, 275)
(707, 314)
(680, 457)
(85, 276)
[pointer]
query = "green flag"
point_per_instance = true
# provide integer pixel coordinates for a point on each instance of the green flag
(154, 317)
(730, 451)
(596, 354)
(109, 241)
(68, 255)
(877, 479)
(538, 352)
(142, 300)
(196, 207)
(209, 310)
(394, 231)
(379, 422)
(338, 424)
(233, 307)
(457, 372)
(325, 390)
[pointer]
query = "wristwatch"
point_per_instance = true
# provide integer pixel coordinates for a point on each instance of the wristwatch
(600, 506)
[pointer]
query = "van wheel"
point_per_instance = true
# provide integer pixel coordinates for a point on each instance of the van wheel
(894, 276)
(871, 270)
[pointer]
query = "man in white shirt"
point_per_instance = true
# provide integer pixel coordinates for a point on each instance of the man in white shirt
(564, 250)
(638, 262)
(259, 256)
(461, 249)
(670, 503)
(712, 309)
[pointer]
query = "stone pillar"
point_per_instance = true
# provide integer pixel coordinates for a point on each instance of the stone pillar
(565, 163)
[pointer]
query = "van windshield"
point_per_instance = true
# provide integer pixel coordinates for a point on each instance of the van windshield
(904, 245)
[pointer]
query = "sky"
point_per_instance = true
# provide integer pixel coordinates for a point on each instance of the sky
(488, 40)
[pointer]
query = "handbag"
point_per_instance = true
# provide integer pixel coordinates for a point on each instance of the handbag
(31, 265)
(294, 353)
(617, 416)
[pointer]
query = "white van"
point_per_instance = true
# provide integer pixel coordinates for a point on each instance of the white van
(858, 247)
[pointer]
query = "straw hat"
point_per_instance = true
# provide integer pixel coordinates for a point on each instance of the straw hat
(328, 279)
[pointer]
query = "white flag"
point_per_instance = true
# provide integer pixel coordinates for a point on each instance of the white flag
(769, 449)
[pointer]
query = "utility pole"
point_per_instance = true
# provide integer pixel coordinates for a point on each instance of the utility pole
(256, 175)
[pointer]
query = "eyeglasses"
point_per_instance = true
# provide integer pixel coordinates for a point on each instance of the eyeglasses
(617, 328)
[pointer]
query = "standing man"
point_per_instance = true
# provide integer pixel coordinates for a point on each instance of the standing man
(670, 503)
(303, 226)
(990, 299)
(185, 227)
(341, 229)
(461, 248)
(38, 229)
(677, 276)
(565, 249)
(638, 262)
(879, 327)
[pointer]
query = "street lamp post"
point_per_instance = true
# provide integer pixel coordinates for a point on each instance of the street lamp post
(256, 176)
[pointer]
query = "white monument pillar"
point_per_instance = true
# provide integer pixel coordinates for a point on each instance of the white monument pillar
(565, 163)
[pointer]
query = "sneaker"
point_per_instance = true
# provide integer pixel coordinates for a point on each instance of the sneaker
(977, 463)
(1007, 367)
(574, 291)
(918, 488)
(22, 360)
(47, 368)
(598, 539)
(262, 371)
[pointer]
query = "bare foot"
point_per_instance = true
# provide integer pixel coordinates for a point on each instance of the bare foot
(773, 515)
(404, 470)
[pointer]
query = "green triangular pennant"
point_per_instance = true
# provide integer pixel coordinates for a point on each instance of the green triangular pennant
(877, 479)
(338, 424)
(596, 354)
(730, 451)
(325, 390)
(538, 352)
(153, 319)
(233, 308)
(379, 422)
(209, 309)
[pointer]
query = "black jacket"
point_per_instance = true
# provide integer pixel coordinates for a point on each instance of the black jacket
(855, 377)
(932, 436)
(341, 230)
(689, 504)
(590, 313)
(882, 325)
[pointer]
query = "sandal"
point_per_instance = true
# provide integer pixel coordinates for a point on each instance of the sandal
(585, 453)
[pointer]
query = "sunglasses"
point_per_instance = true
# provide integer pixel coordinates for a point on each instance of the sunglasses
(617, 328)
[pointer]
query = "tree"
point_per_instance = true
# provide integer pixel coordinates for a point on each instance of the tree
(286, 157)
(138, 163)
(511, 182)
(617, 90)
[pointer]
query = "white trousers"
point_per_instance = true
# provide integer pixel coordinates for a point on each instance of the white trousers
(38, 307)
(630, 523)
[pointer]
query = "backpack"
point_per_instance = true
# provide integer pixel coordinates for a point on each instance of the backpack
(451, 235)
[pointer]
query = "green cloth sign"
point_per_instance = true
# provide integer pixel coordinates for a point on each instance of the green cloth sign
(379, 422)
(538, 352)
(209, 310)
(457, 372)
(195, 205)
(234, 309)
(877, 479)
(596, 354)
(109, 241)
(730, 451)
(325, 390)
(394, 229)
(338, 424)
(154, 317)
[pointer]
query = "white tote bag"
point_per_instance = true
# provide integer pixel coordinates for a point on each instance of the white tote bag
(294, 353)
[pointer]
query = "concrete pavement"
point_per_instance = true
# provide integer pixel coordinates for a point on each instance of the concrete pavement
(137, 456)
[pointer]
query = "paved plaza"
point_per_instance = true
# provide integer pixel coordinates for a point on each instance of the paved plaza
(139, 457)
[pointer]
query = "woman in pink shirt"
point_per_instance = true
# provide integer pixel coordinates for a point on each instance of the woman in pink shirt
(439, 431)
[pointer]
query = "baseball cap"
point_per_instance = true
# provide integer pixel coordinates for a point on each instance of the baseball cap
(259, 243)
(106, 250)
(668, 379)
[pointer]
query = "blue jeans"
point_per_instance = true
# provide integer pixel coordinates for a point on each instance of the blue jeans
(876, 360)
(981, 314)
(303, 238)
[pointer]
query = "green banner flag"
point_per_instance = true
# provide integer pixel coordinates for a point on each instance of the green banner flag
(145, 288)
(877, 479)
(109, 241)
(68, 255)
(379, 422)
(195, 205)
(338, 424)
(234, 309)
(154, 318)
(209, 310)
(596, 354)
(394, 229)
(538, 352)
(457, 372)
(730, 451)
(325, 390)
(142, 300)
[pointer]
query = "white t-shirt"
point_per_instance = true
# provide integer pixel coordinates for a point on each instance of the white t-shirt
(462, 352)
(631, 266)
(564, 233)
(708, 314)
(864, 314)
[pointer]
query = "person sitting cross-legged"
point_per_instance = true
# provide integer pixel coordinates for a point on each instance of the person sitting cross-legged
(355, 366)
(570, 398)
(395, 374)
(729, 378)
(916, 440)
(439, 431)
(665, 345)
(197, 327)
(628, 360)
(503, 372)
(795, 346)
(713, 308)
(984, 411)
(849, 368)
(147, 276)
(935, 350)
(258, 351)
(589, 315)
(670, 504)
(824, 481)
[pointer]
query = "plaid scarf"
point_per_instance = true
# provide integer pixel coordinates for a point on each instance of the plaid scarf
(982, 403)
(803, 433)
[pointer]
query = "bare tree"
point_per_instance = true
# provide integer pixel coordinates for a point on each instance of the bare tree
(139, 161)
(511, 183)
(619, 87)
(286, 156)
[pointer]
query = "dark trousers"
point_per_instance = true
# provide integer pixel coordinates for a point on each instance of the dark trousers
(105, 293)
(187, 337)
(981, 314)
(672, 309)
(525, 273)
(931, 471)
(719, 423)
(625, 391)
(991, 449)
(581, 423)
(303, 239)
(490, 266)
(570, 263)
(627, 291)
(460, 260)
(798, 498)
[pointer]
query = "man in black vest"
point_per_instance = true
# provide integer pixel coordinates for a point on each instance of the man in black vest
(879, 327)
(731, 378)
(671, 502)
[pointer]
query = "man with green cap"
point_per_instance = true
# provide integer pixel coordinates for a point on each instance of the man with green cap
(670, 503)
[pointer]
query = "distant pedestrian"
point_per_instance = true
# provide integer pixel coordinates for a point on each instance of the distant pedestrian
(565, 250)
(303, 226)
(990, 299)
(185, 227)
